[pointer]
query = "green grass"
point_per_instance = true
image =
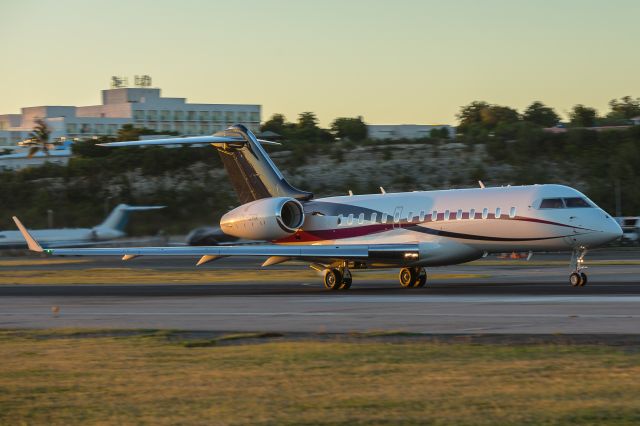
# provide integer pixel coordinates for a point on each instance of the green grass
(85, 377)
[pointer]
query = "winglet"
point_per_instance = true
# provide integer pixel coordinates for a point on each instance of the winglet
(31, 242)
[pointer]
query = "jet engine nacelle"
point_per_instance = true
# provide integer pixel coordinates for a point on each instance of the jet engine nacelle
(264, 219)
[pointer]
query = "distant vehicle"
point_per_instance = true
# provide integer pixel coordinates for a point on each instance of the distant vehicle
(407, 230)
(113, 227)
(630, 229)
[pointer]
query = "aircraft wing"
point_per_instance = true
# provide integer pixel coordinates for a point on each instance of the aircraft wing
(347, 251)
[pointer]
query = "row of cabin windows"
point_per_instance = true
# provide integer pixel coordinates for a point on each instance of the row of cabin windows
(447, 215)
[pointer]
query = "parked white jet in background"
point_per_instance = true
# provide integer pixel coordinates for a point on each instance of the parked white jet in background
(113, 227)
(408, 230)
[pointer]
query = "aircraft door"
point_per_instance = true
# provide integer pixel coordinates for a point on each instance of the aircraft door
(397, 216)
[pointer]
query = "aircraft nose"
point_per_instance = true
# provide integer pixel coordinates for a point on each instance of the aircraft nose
(612, 230)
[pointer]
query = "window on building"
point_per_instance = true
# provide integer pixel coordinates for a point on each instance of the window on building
(72, 128)
(138, 115)
(229, 117)
(552, 203)
(204, 128)
(241, 116)
(216, 116)
(498, 212)
(485, 213)
(204, 115)
(178, 115)
(512, 212)
(191, 115)
(472, 214)
(112, 129)
(165, 115)
(100, 128)
(166, 127)
(255, 117)
(152, 115)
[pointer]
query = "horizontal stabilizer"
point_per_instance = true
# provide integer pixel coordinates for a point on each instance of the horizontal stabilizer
(191, 140)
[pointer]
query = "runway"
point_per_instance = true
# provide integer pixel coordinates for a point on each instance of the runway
(504, 300)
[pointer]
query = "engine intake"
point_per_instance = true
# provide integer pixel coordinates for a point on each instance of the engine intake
(265, 219)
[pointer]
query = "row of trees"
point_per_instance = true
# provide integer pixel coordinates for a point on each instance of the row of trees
(306, 129)
(480, 114)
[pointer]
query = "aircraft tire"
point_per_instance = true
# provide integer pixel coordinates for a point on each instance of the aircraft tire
(332, 279)
(575, 279)
(421, 279)
(407, 277)
(583, 279)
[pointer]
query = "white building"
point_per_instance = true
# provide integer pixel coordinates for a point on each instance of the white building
(140, 106)
(405, 131)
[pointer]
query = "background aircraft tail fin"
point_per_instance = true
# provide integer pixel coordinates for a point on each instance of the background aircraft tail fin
(119, 217)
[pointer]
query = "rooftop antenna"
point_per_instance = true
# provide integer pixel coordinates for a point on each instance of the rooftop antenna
(481, 184)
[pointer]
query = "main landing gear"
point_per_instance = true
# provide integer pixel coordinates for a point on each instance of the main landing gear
(337, 279)
(577, 277)
(415, 277)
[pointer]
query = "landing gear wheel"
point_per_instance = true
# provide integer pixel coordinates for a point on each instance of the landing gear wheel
(346, 280)
(583, 278)
(407, 277)
(575, 279)
(332, 279)
(421, 280)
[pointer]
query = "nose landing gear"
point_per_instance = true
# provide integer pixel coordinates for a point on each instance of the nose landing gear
(577, 277)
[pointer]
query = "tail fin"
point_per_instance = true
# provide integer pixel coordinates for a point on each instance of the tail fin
(119, 217)
(251, 171)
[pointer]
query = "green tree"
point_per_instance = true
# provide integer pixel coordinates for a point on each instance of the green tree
(353, 129)
(485, 115)
(275, 124)
(625, 108)
(583, 116)
(39, 138)
(540, 114)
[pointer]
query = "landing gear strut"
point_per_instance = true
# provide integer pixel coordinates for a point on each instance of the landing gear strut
(415, 277)
(577, 277)
(337, 278)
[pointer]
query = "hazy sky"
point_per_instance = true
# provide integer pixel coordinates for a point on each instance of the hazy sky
(397, 61)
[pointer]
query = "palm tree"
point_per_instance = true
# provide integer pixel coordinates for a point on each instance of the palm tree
(39, 138)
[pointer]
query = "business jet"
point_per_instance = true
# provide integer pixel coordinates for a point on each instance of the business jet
(409, 230)
(113, 227)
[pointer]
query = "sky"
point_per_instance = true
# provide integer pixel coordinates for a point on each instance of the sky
(392, 62)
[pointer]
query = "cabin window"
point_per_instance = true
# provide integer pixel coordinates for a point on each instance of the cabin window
(434, 215)
(512, 212)
(576, 202)
(459, 214)
(373, 217)
(447, 213)
(498, 212)
(385, 217)
(485, 213)
(340, 217)
(396, 217)
(350, 219)
(410, 217)
(472, 214)
(361, 218)
(552, 203)
(421, 215)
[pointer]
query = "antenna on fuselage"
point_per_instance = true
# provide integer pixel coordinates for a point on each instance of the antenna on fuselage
(350, 193)
(382, 191)
(481, 184)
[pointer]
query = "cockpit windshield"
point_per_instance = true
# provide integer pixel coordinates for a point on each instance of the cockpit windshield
(561, 203)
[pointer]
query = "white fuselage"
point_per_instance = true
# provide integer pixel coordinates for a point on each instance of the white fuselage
(59, 237)
(461, 224)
